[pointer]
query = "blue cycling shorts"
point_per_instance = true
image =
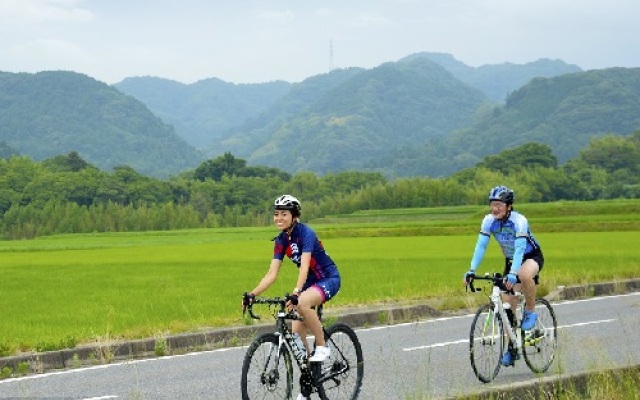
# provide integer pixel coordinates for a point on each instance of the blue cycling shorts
(328, 287)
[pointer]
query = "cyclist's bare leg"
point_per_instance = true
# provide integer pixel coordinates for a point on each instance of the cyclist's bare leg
(512, 300)
(528, 271)
(311, 297)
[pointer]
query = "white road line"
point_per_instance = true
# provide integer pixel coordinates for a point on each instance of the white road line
(441, 319)
(602, 321)
(101, 398)
(444, 344)
(115, 364)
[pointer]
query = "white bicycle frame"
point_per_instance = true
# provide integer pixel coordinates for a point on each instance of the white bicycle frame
(499, 309)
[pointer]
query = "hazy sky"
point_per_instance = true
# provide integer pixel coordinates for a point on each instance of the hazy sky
(248, 41)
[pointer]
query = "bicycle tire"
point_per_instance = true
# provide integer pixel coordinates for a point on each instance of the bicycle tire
(539, 344)
(340, 377)
(266, 371)
(486, 343)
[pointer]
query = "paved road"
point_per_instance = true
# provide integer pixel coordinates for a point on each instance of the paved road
(420, 360)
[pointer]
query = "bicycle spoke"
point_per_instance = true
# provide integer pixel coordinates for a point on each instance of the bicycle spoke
(340, 377)
(539, 344)
(486, 344)
(267, 370)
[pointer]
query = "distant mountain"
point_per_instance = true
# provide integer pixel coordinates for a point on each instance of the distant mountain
(498, 80)
(427, 114)
(51, 113)
(205, 110)
(301, 98)
(356, 116)
(564, 112)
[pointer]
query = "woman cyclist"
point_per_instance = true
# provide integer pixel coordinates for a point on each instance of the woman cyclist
(318, 278)
(524, 259)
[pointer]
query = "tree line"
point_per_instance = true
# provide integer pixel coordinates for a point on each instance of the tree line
(65, 194)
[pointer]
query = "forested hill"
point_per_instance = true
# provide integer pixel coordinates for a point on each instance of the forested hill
(409, 118)
(358, 118)
(564, 112)
(204, 111)
(46, 114)
(346, 119)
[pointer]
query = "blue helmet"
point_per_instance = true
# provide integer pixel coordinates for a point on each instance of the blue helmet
(501, 193)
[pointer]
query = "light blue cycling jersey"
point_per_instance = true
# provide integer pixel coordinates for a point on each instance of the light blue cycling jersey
(505, 232)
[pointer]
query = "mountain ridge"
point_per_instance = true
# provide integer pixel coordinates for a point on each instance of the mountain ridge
(57, 112)
(425, 114)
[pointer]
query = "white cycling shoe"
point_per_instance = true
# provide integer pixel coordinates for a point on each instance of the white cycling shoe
(320, 354)
(302, 397)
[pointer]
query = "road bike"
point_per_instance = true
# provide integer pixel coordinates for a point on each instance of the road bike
(494, 331)
(267, 370)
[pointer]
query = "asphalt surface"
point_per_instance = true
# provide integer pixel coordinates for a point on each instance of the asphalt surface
(426, 358)
(102, 354)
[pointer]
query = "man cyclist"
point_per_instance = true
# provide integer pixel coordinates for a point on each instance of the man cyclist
(318, 278)
(523, 256)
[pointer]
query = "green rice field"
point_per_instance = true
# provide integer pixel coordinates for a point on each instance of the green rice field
(71, 289)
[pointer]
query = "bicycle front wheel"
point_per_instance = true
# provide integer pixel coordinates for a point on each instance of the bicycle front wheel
(539, 344)
(486, 343)
(267, 372)
(340, 377)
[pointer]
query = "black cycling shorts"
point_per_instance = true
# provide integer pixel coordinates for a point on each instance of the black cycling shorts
(535, 255)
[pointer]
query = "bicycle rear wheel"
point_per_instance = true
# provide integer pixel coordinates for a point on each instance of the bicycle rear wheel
(340, 377)
(539, 344)
(267, 372)
(486, 343)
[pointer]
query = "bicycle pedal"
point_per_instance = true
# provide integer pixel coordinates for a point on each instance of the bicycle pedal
(532, 337)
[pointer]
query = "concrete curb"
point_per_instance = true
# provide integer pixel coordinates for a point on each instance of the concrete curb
(96, 354)
(548, 387)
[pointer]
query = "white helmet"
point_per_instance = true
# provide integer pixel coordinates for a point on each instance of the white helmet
(288, 202)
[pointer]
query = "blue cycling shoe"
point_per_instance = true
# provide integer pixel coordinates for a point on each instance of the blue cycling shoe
(509, 359)
(529, 320)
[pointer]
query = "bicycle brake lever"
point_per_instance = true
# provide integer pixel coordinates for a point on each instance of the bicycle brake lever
(252, 314)
(470, 287)
(249, 308)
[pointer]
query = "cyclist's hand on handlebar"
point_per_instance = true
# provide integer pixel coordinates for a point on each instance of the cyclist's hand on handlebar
(469, 276)
(511, 279)
(247, 299)
(293, 299)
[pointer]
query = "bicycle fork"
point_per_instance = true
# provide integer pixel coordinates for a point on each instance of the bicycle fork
(498, 308)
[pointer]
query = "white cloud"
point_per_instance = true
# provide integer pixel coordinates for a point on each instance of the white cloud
(257, 41)
(44, 11)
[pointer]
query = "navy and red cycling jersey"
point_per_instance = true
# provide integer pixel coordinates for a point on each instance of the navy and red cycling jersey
(304, 240)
